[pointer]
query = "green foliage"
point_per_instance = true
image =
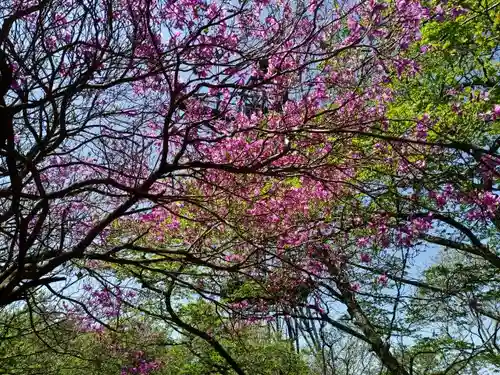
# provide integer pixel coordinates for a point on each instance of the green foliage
(58, 348)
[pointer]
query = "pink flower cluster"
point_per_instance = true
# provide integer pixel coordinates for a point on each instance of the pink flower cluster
(141, 365)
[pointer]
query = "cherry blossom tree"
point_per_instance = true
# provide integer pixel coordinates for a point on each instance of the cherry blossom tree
(116, 108)
(109, 106)
(402, 172)
(121, 111)
(267, 156)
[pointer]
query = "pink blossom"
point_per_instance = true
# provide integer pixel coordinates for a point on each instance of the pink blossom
(234, 258)
(352, 23)
(355, 287)
(365, 257)
(424, 49)
(496, 111)
(439, 13)
(51, 42)
(383, 280)
(363, 242)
